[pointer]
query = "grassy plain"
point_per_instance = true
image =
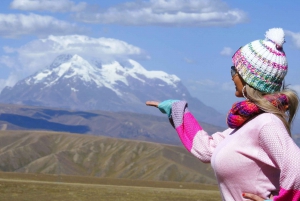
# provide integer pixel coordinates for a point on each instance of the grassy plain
(31, 187)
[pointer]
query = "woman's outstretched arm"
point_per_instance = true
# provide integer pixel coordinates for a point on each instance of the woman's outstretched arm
(191, 134)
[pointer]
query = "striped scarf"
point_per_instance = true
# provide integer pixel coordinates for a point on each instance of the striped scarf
(242, 111)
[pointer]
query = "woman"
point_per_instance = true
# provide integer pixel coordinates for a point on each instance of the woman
(255, 158)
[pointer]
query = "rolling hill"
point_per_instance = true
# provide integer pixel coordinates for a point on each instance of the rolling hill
(74, 154)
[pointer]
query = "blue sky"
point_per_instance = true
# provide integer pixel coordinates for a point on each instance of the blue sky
(193, 39)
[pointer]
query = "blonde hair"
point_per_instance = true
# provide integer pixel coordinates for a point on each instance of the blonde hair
(286, 116)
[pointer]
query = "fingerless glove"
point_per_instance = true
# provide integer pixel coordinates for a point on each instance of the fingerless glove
(166, 107)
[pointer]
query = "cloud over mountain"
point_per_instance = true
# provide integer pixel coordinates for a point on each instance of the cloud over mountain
(38, 54)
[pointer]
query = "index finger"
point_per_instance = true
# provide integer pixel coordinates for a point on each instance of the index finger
(152, 103)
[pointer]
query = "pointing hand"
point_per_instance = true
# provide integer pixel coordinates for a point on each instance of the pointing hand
(152, 103)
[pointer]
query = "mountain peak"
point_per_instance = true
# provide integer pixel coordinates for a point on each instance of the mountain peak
(64, 66)
(73, 82)
(75, 67)
(65, 58)
(169, 79)
(60, 59)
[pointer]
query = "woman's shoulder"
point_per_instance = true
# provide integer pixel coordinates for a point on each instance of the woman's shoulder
(268, 122)
(266, 118)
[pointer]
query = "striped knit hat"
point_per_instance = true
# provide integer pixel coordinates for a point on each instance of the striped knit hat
(262, 63)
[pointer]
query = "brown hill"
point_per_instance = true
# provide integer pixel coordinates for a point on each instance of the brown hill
(113, 124)
(74, 154)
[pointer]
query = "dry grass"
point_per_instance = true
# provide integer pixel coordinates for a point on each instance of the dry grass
(16, 186)
(86, 155)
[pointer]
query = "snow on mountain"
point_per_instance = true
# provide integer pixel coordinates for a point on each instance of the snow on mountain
(76, 83)
(68, 67)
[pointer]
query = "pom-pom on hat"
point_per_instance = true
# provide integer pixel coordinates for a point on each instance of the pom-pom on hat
(262, 63)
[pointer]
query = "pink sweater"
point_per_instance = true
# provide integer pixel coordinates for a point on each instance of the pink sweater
(259, 158)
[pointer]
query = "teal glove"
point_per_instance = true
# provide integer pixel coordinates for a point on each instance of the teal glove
(166, 107)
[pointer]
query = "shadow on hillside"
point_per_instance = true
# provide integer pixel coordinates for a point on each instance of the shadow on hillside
(32, 123)
(48, 114)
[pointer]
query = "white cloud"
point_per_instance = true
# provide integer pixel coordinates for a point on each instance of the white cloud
(10, 81)
(2, 84)
(48, 5)
(227, 51)
(14, 25)
(8, 61)
(167, 13)
(40, 53)
(102, 48)
(295, 37)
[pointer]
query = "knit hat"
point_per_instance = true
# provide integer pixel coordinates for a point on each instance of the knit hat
(262, 63)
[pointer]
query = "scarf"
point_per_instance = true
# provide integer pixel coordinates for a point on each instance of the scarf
(242, 111)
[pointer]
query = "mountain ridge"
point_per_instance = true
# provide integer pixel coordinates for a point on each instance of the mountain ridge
(126, 125)
(72, 82)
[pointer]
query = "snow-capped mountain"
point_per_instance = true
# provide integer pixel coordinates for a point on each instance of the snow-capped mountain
(74, 67)
(76, 83)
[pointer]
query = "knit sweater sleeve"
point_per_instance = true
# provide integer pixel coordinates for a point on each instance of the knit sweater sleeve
(191, 134)
(285, 154)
